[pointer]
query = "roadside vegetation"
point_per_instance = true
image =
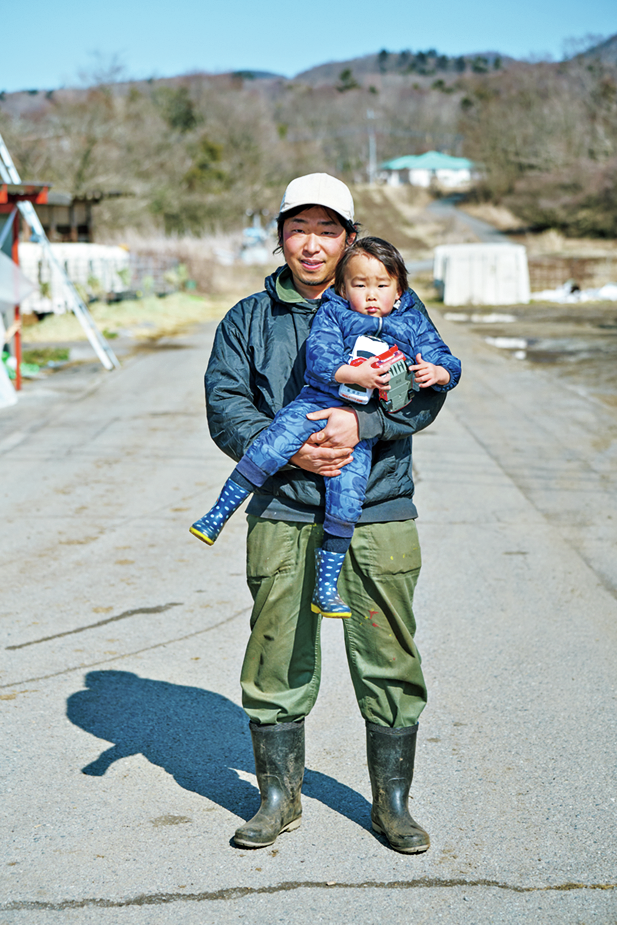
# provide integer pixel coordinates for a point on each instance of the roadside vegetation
(146, 319)
(191, 155)
(140, 319)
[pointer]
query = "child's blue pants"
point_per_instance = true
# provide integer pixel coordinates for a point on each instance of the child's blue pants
(274, 447)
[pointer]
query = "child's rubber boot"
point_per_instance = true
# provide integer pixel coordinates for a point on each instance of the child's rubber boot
(210, 525)
(326, 599)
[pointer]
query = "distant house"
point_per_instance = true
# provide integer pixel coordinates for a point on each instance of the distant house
(65, 217)
(430, 169)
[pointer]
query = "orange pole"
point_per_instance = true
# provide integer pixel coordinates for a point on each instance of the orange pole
(15, 256)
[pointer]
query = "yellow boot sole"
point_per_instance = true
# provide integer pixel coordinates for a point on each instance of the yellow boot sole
(325, 613)
(201, 536)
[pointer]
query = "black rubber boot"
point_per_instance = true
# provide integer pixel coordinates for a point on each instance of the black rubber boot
(279, 765)
(390, 754)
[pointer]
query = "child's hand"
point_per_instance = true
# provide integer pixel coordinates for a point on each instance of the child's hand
(365, 375)
(427, 374)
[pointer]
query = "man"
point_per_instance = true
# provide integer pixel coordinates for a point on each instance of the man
(257, 366)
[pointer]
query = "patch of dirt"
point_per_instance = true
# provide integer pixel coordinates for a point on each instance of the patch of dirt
(395, 214)
(498, 216)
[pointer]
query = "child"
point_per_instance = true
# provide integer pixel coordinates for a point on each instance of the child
(370, 298)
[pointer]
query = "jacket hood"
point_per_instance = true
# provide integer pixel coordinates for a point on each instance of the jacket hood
(270, 282)
(301, 305)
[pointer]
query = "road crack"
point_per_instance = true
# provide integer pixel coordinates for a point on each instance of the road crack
(161, 608)
(231, 893)
(117, 658)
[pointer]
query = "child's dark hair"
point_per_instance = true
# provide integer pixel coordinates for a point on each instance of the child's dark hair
(381, 250)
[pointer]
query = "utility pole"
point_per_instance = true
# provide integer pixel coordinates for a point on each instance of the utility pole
(372, 147)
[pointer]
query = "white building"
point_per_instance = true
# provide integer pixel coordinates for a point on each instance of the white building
(430, 169)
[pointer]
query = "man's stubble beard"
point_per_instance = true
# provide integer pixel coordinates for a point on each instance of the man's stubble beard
(324, 281)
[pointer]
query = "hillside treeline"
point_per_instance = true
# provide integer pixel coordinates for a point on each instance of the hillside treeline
(546, 136)
(194, 154)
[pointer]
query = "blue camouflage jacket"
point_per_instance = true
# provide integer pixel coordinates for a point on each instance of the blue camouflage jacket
(336, 328)
(257, 365)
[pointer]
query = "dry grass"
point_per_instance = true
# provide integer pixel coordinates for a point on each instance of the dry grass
(143, 319)
(152, 317)
(423, 286)
(400, 215)
(555, 244)
(395, 214)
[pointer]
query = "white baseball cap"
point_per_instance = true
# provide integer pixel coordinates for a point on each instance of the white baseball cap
(319, 189)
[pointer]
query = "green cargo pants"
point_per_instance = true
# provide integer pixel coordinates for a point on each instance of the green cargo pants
(282, 666)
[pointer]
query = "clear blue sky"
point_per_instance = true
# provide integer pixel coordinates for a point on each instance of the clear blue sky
(166, 37)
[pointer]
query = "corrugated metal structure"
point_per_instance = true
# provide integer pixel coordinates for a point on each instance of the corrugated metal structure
(482, 274)
(71, 218)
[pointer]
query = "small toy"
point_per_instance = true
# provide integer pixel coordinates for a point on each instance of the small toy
(364, 348)
(402, 380)
(401, 385)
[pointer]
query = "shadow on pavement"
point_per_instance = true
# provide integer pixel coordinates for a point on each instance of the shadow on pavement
(197, 736)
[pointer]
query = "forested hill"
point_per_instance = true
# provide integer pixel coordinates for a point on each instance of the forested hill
(195, 152)
(420, 64)
(605, 51)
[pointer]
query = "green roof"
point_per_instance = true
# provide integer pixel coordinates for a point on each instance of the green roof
(431, 160)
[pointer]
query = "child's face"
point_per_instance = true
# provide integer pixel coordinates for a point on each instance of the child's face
(369, 288)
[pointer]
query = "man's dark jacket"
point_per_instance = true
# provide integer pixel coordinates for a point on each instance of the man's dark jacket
(257, 366)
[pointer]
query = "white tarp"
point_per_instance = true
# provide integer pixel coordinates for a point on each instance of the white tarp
(14, 286)
(482, 274)
(90, 266)
(8, 395)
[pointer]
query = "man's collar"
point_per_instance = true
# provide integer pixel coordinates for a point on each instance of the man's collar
(287, 292)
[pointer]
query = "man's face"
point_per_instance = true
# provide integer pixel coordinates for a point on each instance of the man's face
(313, 244)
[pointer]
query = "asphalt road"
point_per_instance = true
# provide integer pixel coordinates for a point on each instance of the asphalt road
(126, 757)
(446, 209)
